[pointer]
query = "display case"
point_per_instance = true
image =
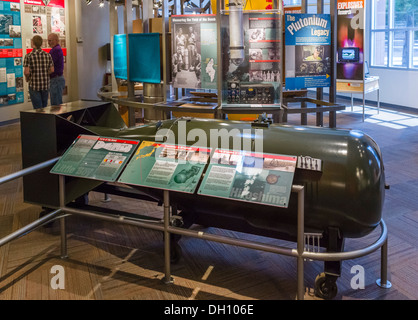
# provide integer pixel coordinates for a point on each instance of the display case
(251, 42)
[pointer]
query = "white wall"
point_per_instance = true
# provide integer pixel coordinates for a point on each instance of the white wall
(398, 87)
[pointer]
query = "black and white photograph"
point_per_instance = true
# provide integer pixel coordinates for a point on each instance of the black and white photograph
(19, 84)
(15, 31)
(256, 54)
(186, 59)
(14, 6)
(8, 42)
(17, 62)
(5, 22)
(257, 34)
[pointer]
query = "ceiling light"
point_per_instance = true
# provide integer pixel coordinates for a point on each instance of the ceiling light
(88, 2)
(101, 3)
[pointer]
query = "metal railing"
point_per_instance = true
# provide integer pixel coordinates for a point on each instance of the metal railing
(300, 252)
(41, 221)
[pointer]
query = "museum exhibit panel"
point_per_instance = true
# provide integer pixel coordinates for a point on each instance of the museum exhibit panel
(213, 89)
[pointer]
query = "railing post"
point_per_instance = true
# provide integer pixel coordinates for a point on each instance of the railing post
(167, 249)
(383, 282)
(300, 243)
(62, 220)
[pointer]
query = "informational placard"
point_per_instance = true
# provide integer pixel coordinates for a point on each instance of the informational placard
(194, 60)
(308, 50)
(350, 40)
(261, 46)
(166, 166)
(97, 158)
(11, 70)
(253, 177)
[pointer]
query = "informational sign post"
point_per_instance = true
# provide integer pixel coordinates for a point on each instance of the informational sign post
(350, 40)
(308, 50)
(252, 177)
(166, 166)
(97, 158)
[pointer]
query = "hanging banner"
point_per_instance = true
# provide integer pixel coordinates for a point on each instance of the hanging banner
(11, 70)
(144, 57)
(350, 40)
(308, 40)
(194, 45)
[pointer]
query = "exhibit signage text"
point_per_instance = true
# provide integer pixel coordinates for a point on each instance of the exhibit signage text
(307, 22)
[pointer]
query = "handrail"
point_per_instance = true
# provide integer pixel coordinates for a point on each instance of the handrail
(299, 252)
(39, 222)
(28, 170)
(29, 227)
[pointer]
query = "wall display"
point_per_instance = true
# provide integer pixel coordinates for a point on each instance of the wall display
(45, 17)
(254, 78)
(11, 70)
(308, 50)
(253, 177)
(42, 17)
(98, 158)
(166, 166)
(194, 47)
(350, 40)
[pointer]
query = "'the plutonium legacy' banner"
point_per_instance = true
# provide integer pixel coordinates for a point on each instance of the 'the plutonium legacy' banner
(308, 50)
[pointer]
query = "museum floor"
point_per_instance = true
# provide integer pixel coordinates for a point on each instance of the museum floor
(114, 261)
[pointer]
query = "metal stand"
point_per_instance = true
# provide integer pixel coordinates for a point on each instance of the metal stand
(300, 241)
(383, 282)
(63, 229)
(167, 279)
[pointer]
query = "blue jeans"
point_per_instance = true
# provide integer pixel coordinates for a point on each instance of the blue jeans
(56, 88)
(39, 98)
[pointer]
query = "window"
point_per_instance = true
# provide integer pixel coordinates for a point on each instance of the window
(394, 34)
(312, 5)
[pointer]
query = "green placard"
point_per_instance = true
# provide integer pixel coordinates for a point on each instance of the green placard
(248, 176)
(166, 166)
(94, 157)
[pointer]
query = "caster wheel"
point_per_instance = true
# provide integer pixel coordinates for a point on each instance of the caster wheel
(325, 286)
(175, 253)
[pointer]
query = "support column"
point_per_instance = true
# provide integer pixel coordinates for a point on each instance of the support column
(333, 87)
(113, 29)
(63, 228)
(127, 17)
